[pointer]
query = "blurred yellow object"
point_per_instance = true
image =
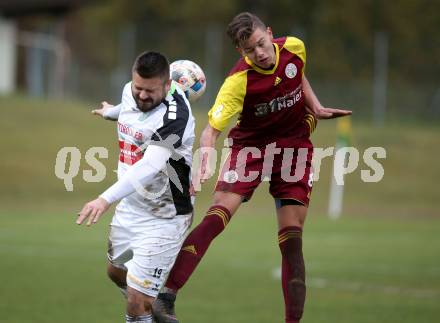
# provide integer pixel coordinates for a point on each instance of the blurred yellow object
(344, 132)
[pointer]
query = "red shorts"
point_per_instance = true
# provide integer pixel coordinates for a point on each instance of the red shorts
(288, 170)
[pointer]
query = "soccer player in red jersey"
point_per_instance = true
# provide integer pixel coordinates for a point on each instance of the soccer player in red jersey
(277, 112)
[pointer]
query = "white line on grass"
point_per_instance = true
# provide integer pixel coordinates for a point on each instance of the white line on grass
(358, 286)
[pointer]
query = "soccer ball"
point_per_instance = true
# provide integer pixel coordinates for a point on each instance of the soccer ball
(190, 78)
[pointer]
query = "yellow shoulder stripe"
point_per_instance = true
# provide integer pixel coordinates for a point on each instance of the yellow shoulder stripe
(296, 46)
(229, 101)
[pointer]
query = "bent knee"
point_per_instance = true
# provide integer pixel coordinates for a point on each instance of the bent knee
(117, 275)
(291, 215)
(138, 303)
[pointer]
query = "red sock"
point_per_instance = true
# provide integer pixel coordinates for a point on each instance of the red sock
(196, 244)
(292, 272)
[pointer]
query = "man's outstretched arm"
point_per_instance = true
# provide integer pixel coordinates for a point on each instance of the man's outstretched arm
(136, 177)
(111, 112)
(315, 107)
(108, 111)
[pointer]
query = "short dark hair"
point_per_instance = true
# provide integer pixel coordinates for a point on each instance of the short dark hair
(242, 27)
(152, 64)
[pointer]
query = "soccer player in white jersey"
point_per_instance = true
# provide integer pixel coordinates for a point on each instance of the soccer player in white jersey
(156, 135)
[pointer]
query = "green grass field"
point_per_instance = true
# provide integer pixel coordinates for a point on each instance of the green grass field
(379, 263)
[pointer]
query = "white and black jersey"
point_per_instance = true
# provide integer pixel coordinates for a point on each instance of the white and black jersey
(170, 124)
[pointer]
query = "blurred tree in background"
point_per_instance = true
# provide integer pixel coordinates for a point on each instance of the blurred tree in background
(105, 36)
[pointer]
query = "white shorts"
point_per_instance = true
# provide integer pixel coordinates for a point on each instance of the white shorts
(147, 249)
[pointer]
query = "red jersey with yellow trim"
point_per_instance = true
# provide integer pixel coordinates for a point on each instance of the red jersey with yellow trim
(270, 103)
